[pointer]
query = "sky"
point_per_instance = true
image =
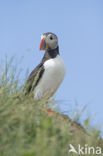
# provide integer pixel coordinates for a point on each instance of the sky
(79, 27)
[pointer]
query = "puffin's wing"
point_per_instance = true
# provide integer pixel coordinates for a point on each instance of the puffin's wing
(34, 78)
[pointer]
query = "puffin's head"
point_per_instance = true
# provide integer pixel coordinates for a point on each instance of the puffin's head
(48, 41)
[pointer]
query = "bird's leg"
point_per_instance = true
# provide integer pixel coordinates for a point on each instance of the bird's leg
(50, 112)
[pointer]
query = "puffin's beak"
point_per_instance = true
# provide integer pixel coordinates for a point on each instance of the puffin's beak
(42, 44)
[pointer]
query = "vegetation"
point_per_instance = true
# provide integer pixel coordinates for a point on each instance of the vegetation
(27, 129)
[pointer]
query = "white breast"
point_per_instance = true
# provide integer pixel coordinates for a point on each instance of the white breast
(53, 76)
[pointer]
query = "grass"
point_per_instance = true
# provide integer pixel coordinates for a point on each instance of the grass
(26, 129)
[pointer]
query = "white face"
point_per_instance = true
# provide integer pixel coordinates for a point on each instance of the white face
(51, 41)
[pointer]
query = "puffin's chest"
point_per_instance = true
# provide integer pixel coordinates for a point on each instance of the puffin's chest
(52, 77)
(54, 70)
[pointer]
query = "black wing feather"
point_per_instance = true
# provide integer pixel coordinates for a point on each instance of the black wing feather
(34, 78)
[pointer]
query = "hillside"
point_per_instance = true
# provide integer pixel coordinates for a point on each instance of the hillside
(26, 129)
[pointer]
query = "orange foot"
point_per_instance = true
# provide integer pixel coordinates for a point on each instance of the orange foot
(50, 112)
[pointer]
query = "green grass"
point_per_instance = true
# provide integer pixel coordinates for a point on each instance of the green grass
(27, 130)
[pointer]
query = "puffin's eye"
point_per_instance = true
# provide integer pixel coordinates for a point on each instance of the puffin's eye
(51, 37)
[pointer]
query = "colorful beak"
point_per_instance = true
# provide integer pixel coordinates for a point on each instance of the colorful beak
(43, 44)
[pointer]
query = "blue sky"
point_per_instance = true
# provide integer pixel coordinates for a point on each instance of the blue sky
(79, 27)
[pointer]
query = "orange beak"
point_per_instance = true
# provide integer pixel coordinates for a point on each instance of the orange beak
(42, 44)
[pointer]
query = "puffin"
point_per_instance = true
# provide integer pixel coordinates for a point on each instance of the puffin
(46, 78)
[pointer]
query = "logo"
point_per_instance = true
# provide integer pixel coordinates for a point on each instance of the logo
(85, 149)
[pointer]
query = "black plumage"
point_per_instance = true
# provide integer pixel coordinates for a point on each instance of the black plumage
(34, 78)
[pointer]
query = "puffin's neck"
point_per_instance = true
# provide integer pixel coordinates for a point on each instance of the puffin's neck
(50, 53)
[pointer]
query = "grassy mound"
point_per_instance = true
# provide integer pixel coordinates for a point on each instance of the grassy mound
(26, 129)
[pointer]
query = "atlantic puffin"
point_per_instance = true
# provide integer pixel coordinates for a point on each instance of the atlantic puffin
(45, 79)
